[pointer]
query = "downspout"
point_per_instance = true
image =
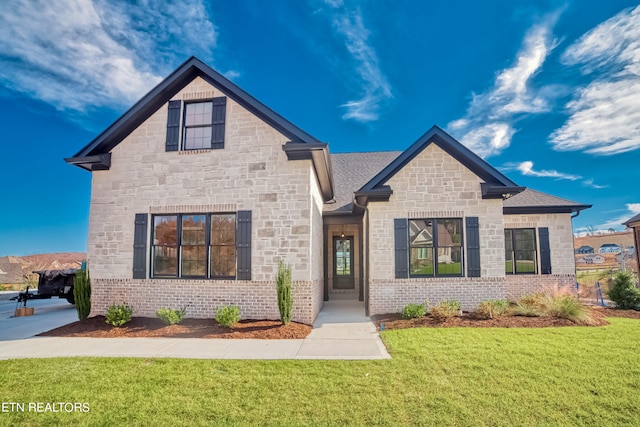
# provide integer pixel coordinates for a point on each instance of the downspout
(365, 251)
(575, 268)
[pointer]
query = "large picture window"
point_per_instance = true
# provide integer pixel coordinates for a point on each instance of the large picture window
(194, 246)
(435, 247)
(520, 251)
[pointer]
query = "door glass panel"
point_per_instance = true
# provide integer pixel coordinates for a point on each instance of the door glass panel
(343, 257)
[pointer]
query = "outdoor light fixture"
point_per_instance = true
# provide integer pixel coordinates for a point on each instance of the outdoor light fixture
(342, 233)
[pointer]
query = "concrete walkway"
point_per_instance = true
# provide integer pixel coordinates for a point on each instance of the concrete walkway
(341, 331)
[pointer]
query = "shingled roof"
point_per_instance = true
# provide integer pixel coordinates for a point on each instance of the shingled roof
(531, 201)
(353, 170)
(632, 221)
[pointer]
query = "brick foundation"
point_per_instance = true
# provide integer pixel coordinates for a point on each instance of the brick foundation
(257, 300)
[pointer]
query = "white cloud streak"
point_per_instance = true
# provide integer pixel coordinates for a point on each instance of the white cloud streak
(633, 209)
(526, 169)
(374, 87)
(83, 54)
(488, 126)
(604, 115)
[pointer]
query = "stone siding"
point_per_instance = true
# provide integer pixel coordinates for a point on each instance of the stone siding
(251, 173)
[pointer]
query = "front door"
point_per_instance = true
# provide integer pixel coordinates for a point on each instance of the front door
(343, 263)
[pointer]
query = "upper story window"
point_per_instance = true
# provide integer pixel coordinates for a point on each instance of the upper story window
(196, 125)
(435, 247)
(520, 251)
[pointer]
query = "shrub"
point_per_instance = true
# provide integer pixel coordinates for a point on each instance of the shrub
(227, 315)
(171, 317)
(82, 293)
(568, 307)
(118, 315)
(623, 292)
(489, 308)
(283, 287)
(532, 305)
(446, 309)
(412, 311)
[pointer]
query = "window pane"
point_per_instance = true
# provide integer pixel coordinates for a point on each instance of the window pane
(449, 232)
(198, 113)
(450, 260)
(508, 251)
(421, 247)
(194, 261)
(223, 229)
(165, 230)
(524, 239)
(525, 261)
(420, 233)
(165, 261)
(223, 261)
(197, 138)
(193, 230)
(343, 257)
(421, 261)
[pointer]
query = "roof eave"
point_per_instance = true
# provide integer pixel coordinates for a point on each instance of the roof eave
(318, 153)
(518, 210)
(99, 162)
(499, 192)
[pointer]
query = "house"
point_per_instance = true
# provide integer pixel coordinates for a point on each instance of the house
(10, 271)
(199, 190)
(609, 248)
(591, 259)
(585, 250)
(634, 224)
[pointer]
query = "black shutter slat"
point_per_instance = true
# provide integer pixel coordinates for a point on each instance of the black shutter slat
(473, 246)
(140, 247)
(218, 116)
(401, 238)
(173, 126)
(545, 250)
(243, 245)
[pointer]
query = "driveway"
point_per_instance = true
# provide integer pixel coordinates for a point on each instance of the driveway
(49, 314)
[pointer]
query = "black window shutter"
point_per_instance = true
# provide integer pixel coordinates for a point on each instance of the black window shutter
(140, 247)
(545, 250)
(173, 126)
(401, 238)
(243, 245)
(219, 112)
(473, 246)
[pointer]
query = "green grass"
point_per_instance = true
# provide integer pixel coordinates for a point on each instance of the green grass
(456, 376)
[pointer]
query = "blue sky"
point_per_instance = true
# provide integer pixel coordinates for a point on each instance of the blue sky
(546, 91)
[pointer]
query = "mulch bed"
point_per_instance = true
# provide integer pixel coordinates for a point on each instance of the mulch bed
(138, 327)
(393, 320)
(96, 327)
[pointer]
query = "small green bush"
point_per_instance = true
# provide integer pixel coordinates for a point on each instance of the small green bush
(446, 309)
(412, 311)
(118, 315)
(623, 292)
(489, 309)
(171, 317)
(568, 307)
(283, 289)
(227, 315)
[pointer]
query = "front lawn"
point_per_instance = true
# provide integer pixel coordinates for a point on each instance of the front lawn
(452, 376)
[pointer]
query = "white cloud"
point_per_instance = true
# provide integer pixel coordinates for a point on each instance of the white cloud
(526, 168)
(633, 209)
(604, 115)
(79, 54)
(374, 88)
(488, 126)
(591, 184)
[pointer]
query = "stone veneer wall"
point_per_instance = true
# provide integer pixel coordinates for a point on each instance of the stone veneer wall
(251, 173)
(257, 300)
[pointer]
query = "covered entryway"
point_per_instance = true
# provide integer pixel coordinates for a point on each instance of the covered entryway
(342, 258)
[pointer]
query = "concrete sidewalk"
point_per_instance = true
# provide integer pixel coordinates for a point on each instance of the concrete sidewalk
(341, 331)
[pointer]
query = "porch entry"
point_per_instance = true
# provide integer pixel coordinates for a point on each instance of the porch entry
(343, 274)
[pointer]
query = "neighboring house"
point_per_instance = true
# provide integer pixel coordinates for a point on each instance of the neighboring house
(10, 271)
(199, 190)
(591, 259)
(585, 250)
(609, 248)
